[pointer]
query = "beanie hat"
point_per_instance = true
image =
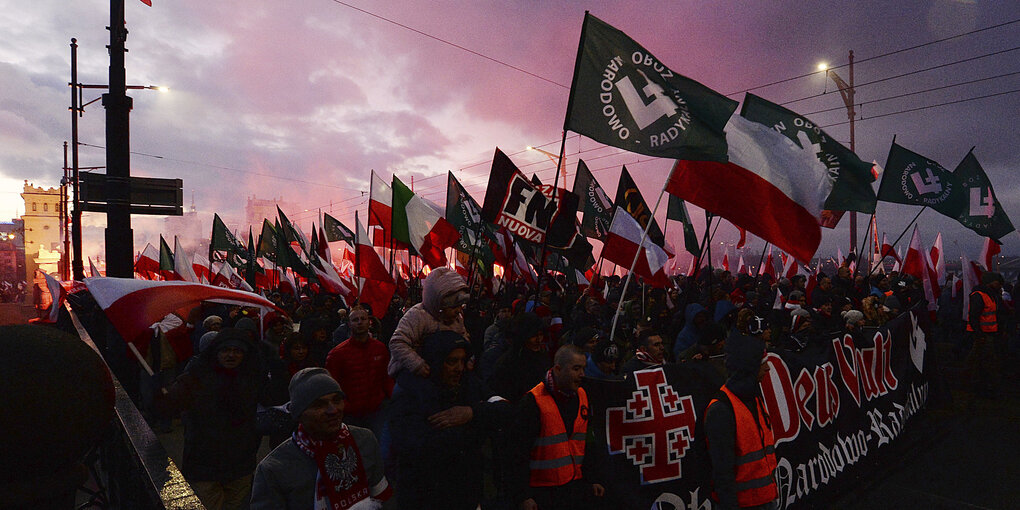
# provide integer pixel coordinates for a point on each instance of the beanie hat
(853, 317)
(211, 321)
(247, 324)
(307, 386)
(206, 340)
(989, 277)
(606, 351)
(892, 302)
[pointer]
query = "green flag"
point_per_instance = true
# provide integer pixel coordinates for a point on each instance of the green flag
(677, 211)
(336, 231)
(224, 240)
(401, 196)
(851, 189)
(464, 213)
(166, 256)
(623, 96)
(913, 179)
(285, 255)
(290, 231)
(983, 214)
(628, 196)
(595, 207)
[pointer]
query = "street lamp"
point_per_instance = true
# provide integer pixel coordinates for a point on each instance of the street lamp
(555, 159)
(77, 110)
(846, 90)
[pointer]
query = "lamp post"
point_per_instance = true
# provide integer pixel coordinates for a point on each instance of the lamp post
(77, 110)
(555, 159)
(846, 90)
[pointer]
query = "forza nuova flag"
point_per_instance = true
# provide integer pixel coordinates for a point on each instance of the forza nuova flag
(529, 210)
(623, 96)
(595, 207)
(984, 213)
(852, 178)
(466, 216)
(913, 179)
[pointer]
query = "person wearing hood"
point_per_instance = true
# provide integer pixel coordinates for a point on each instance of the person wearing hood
(439, 426)
(695, 317)
(741, 444)
(444, 294)
(218, 394)
(525, 363)
(496, 341)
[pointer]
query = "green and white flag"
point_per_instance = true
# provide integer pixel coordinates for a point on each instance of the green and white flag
(913, 179)
(595, 207)
(623, 96)
(852, 178)
(983, 214)
(224, 240)
(677, 211)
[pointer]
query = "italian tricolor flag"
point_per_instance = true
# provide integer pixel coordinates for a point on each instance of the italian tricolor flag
(421, 225)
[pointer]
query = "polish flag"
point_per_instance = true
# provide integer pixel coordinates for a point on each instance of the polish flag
(623, 245)
(182, 264)
(742, 267)
(201, 267)
(378, 286)
(971, 278)
(57, 296)
(132, 306)
(781, 186)
(726, 260)
(225, 276)
(330, 279)
(938, 259)
(917, 265)
(888, 251)
(988, 252)
(790, 266)
(147, 264)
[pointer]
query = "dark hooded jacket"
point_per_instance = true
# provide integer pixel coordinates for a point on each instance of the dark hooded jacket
(520, 368)
(219, 405)
(442, 468)
(690, 334)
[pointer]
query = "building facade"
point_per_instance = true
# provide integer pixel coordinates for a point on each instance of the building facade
(42, 233)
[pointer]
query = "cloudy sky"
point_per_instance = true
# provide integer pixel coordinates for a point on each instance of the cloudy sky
(300, 100)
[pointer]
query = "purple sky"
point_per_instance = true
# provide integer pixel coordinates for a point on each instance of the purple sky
(303, 99)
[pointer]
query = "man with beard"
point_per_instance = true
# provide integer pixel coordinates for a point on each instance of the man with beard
(740, 440)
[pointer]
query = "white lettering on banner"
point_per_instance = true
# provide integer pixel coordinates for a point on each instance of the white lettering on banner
(917, 343)
(981, 204)
(670, 501)
(796, 482)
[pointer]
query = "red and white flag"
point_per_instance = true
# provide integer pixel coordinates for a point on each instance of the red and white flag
(989, 250)
(888, 251)
(182, 264)
(225, 276)
(971, 278)
(769, 266)
(380, 210)
(132, 305)
(378, 286)
(917, 265)
(742, 266)
(95, 270)
(623, 245)
(57, 295)
(938, 259)
(202, 268)
(781, 186)
(147, 264)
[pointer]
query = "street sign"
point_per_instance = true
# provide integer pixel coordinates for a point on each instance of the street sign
(149, 195)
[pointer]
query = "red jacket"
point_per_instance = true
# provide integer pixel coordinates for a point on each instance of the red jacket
(360, 368)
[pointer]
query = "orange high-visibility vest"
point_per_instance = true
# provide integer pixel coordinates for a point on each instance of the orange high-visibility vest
(987, 321)
(755, 454)
(556, 457)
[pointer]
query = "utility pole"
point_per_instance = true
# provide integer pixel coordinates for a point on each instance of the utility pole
(119, 237)
(846, 90)
(65, 258)
(77, 267)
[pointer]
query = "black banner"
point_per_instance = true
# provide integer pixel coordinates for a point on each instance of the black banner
(830, 406)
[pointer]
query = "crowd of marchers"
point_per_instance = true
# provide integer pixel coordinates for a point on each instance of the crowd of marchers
(458, 397)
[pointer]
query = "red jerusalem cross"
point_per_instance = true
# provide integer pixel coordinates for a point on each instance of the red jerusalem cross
(654, 428)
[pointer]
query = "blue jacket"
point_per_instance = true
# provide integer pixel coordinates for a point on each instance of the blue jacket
(690, 334)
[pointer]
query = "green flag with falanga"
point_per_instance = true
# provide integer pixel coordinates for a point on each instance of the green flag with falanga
(983, 214)
(851, 189)
(594, 205)
(464, 213)
(336, 231)
(912, 179)
(166, 256)
(286, 257)
(224, 240)
(677, 211)
(628, 197)
(291, 232)
(267, 241)
(623, 96)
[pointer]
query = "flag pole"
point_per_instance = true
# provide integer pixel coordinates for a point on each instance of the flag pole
(886, 254)
(761, 260)
(867, 235)
(633, 263)
(545, 238)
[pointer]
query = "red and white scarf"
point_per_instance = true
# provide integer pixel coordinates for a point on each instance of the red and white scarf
(341, 481)
(646, 358)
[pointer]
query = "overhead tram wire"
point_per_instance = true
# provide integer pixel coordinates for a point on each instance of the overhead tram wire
(908, 94)
(926, 107)
(220, 167)
(453, 44)
(875, 57)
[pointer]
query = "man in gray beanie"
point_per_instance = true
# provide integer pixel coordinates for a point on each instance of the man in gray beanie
(325, 463)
